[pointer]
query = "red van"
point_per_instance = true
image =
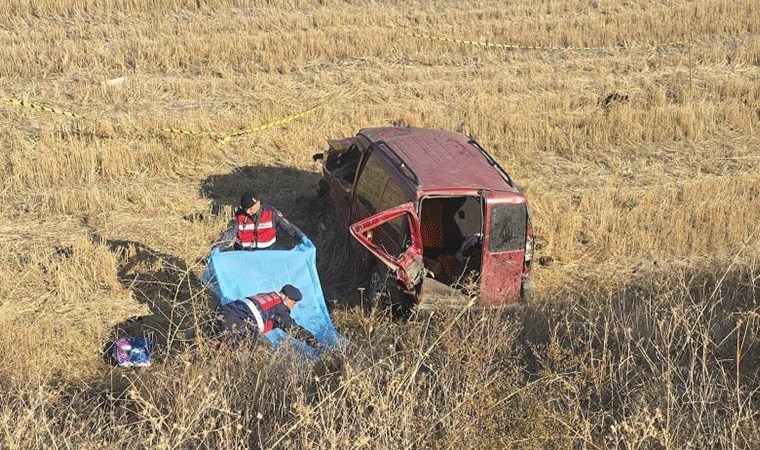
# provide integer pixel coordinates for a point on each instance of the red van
(433, 212)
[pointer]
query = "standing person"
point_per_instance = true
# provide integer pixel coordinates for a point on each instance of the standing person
(259, 314)
(255, 226)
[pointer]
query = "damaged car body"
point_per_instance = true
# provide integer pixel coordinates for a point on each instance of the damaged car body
(433, 213)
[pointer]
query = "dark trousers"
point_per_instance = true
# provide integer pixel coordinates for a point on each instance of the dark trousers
(235, 327)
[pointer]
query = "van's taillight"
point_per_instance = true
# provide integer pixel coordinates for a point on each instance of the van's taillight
(529, 244)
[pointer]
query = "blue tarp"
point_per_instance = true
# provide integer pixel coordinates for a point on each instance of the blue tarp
(233, 275)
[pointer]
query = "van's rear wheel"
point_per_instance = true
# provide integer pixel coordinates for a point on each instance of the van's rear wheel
(526, 290)
(383, 293)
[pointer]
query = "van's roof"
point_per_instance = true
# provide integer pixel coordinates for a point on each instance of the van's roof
(441, 159)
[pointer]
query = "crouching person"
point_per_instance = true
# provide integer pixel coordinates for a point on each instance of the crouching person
(250, 317)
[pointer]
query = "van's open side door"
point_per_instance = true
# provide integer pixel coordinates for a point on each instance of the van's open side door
(407, 266)
(507, 230)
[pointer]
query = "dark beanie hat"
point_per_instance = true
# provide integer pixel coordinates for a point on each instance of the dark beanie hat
(248, 199)
(292, 292)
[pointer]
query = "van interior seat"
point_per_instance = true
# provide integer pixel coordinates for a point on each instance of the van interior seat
(431, 226)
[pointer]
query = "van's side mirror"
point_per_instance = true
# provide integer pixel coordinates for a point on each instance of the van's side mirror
(317, 156)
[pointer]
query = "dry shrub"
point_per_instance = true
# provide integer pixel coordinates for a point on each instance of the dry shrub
(668, 361)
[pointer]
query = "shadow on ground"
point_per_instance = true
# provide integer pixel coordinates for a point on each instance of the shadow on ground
(180, 308)
(291, 191)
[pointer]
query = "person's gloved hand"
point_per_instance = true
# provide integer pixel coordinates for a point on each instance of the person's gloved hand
(306, 242)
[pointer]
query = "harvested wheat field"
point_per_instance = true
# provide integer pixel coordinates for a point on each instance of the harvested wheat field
(632, 126)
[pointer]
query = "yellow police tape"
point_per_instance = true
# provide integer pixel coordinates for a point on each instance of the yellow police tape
(225, 137)
(274, 123)
(521, 47)
(45, 108)
(190, 133)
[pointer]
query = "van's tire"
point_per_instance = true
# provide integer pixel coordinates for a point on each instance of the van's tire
(324, 189)
(526, 290)
(383, 293)
(379, 287)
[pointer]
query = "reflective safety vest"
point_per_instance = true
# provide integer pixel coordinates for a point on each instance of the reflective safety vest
(256, 235)
(260, 305)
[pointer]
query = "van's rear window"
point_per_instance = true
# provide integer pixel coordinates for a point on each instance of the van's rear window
(508, 223)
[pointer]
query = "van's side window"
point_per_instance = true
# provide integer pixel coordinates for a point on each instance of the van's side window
(397, 230)
(393, 196)
(370, 184)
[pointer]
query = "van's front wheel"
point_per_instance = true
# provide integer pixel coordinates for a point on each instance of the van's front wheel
(378, 293)
(383, 292)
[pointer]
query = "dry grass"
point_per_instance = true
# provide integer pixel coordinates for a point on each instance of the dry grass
(644, 333)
